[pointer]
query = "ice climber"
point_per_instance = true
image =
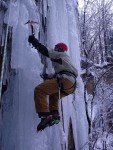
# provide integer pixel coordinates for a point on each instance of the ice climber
(64, 77)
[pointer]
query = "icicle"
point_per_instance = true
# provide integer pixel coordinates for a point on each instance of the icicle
(4, 55)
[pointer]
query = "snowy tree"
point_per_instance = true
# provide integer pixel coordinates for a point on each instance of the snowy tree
(96, 50)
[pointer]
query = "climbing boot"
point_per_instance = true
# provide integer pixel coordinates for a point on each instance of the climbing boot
(45, 122)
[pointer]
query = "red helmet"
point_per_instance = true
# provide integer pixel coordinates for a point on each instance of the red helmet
(61, 46)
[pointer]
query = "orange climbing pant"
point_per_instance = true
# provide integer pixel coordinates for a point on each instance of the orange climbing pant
(50, 87)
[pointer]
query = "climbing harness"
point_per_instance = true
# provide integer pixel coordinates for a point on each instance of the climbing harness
(59, 81)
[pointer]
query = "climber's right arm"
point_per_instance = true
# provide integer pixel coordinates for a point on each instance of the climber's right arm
(41, 48)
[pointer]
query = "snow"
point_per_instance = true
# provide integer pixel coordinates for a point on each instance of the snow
(20, 121)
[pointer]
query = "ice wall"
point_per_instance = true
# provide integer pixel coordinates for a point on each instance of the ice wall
(20, 121)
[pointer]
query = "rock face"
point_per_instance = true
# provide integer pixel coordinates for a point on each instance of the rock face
(88, 80)
(103, 72)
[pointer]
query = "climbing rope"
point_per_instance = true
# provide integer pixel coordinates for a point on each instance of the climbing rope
(5, 51)
(61, 125)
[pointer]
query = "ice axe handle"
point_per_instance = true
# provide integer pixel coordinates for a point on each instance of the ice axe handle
(32, 30)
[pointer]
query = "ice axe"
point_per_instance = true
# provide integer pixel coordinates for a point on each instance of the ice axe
(30, 22)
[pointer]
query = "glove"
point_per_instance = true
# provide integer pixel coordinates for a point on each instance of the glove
(31, 39)
(44, 76)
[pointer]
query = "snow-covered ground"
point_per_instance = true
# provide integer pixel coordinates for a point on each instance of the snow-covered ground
(20, 119)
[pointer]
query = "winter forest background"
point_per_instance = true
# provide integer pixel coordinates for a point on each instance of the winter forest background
(86, 26)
